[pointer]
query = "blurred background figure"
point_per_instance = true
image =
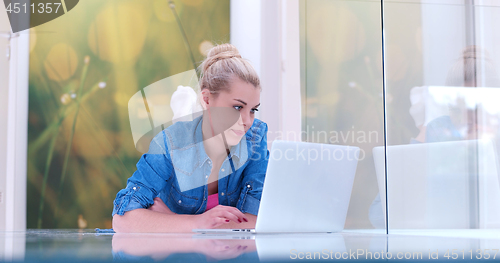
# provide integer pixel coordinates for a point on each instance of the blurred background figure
(461, 110)
(473, 69)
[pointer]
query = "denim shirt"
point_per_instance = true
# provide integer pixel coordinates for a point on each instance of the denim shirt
(176, 169)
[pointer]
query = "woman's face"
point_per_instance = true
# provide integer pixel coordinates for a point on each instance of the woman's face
(234, 109)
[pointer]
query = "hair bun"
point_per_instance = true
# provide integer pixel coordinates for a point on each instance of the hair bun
(223, 63)
(220, 52)
(475, 52)
(223, 51)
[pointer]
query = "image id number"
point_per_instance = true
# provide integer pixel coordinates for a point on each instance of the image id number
(41, 8)
(463, 254)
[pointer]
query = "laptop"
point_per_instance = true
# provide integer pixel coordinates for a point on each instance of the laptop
(307, 189)
(440, 185)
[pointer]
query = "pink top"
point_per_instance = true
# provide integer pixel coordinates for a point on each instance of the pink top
(213, 201)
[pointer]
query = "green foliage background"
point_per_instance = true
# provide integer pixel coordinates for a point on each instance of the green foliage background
(84, 67)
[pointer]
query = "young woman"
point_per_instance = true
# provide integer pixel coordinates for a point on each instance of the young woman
(205, 173)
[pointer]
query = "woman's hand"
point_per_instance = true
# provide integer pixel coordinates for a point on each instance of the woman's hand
(218, 216)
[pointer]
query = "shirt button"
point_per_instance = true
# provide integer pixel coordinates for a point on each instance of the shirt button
(206, 176)
(135, 188)
(222, 169)
(180, 201)
(209, 162)
(222, 193)
(248, 185)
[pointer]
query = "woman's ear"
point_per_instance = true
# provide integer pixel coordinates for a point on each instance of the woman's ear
(204, 98)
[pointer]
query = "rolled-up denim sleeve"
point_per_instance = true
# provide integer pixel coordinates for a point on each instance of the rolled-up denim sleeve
(154, 169)
(254, 174)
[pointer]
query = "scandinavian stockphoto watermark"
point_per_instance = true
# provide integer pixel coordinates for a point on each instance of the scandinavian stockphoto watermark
(167, 118)
(320, 153)
(344, 137)
(352, 140)
(160, 105)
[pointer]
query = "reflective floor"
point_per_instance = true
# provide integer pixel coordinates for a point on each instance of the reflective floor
(87, 245)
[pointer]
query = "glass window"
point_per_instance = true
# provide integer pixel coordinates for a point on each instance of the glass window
(84, 69)
(442, 84)
(342, 92)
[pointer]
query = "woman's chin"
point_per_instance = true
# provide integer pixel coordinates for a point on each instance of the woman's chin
(232, 139)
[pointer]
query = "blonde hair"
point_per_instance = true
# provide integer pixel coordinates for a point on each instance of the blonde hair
(222, 64)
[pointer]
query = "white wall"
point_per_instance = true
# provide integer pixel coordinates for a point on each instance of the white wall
(245, 30)
(271, 102)
(12, 211)
(267, 33)
(11, 248)
(443, 39)
(14, 128)
(4, 94)
(487, 14)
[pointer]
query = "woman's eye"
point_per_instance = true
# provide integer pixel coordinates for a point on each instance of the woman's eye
(237, 108)
(254, 110)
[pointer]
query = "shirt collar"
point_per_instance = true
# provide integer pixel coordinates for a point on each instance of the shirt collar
(239, 151)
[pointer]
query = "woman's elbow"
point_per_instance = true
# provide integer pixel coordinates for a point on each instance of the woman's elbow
(128, 222)
(119, 224)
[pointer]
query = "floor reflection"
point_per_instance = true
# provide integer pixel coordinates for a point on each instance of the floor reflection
(162, 246)
(78, 245)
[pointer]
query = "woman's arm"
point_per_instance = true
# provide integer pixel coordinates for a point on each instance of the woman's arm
(159, 218)
(148, 221)
(152, 220)
(255, 172)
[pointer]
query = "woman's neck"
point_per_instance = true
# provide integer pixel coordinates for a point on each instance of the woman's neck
(214, 145)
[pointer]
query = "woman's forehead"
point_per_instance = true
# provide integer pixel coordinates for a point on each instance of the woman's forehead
(244, 91)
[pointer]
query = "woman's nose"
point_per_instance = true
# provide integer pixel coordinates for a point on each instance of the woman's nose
(244, 119)
(240, 120)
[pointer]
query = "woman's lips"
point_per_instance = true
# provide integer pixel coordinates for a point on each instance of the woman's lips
(238, 132)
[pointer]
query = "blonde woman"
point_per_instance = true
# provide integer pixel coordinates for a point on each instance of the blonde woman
(205, 173)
